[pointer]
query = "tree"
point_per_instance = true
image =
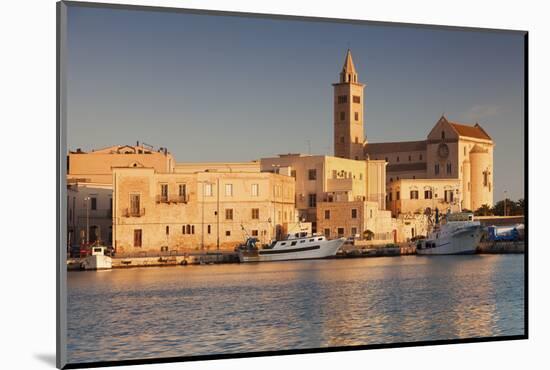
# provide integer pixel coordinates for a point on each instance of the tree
(521, 206)
(512, 208)
(484, 210)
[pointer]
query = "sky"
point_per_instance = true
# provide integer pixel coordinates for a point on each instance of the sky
(222, 88)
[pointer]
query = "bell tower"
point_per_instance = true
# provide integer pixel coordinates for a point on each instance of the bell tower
(348, 113)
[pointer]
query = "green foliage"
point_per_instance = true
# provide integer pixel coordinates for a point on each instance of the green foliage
(512, 208)
(484, 210)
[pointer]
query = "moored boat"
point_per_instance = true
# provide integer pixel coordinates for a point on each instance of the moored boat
(295, 247)
(97, 260)
(457, 234)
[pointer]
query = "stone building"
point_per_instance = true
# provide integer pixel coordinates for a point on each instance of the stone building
(340, 197)
(90, 188)
(89, 207)
(200, 206)
(452, 168)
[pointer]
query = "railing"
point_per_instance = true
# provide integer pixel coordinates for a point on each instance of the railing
(172, 198)
(130, 212)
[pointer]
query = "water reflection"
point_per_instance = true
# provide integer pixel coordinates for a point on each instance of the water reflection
(192, 310)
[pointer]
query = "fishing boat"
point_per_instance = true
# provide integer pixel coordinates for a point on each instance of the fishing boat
(457, 233)
(296, 246)
(97, 260)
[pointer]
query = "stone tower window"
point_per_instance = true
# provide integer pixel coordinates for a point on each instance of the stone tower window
(443, 134)
(342, 116)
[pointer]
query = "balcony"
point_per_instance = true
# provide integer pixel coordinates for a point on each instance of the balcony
(132, 212)
(172, 199)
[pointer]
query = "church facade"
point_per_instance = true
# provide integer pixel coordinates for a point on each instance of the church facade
(451, 169)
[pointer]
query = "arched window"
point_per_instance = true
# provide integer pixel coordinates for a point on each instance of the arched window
(443, 134)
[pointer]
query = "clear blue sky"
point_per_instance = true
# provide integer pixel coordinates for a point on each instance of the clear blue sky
(217, 88)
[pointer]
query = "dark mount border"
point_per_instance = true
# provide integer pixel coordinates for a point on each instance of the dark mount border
(61, 190)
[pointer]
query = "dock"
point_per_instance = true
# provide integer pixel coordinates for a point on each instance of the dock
(348, 251)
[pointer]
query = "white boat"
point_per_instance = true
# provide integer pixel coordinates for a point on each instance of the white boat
(295, 247)
(457, 234)
(97, 260)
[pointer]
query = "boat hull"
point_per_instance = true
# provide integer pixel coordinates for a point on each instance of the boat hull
(97, 262)
(313, 251)
(463, 242)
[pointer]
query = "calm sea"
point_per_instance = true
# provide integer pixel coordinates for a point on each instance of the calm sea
(193, 310)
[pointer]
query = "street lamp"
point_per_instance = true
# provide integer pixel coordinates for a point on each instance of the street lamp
(505, 196)
(204, 183)
(87, 199)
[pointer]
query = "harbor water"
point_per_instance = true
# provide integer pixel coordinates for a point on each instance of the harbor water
(232, 308)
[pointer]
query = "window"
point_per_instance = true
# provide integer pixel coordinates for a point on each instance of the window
(414, 194)
(356, 99)
(327, 233)
(410, 158)
(163, 192)
(312, 200)
(448, 196)
(209, 229)
(354, 213)
(485, 178)
(436, 169)
(370, 213)
(390, 196)
(342, 116)
(353, 231)
(167, 230)
(397, 195)
(340, 232)
(342, 140)
(137, 238)
(427, 194)
(254, 232)
(357, 116)
(255, 190)
(134, 204)
(229, 214)
(443, 134)
(228, 190)
(420, 157)
(449, 168)
(93, 203)
(227, 233)
(342, 99)
(208, 190)
(312, 174)
(255, 213)
(397, 158)
(327, 214)
(192, 229)
(182, 191)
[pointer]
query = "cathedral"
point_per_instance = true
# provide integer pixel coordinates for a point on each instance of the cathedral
(451, 169)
